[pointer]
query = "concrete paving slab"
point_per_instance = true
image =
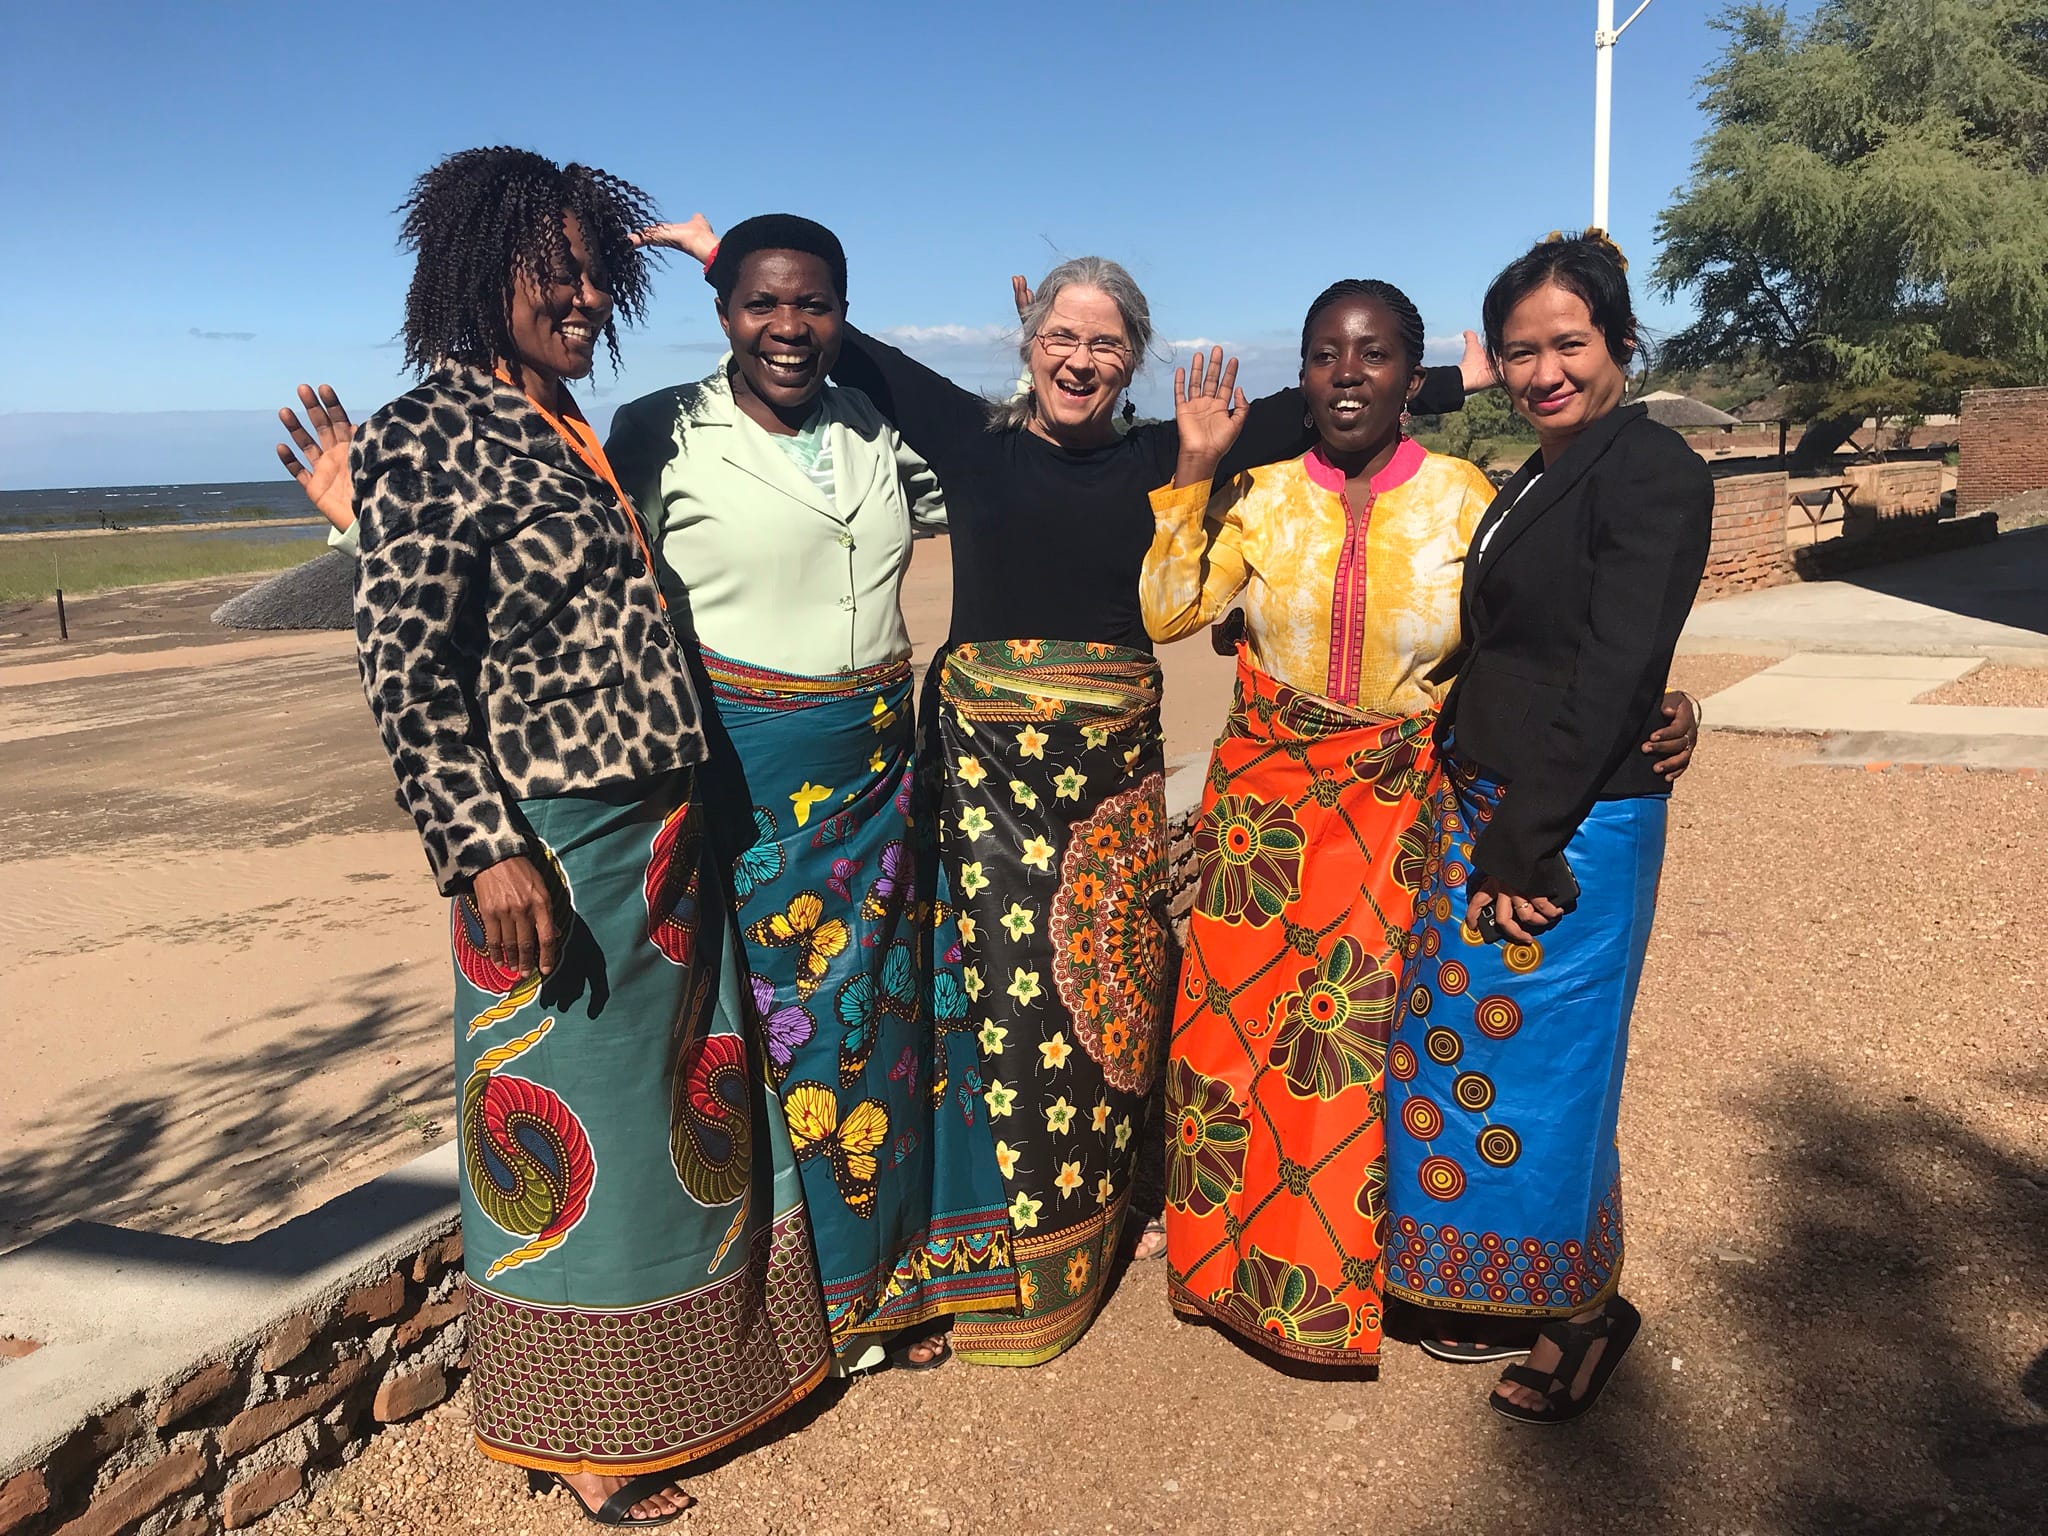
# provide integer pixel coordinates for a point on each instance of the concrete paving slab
(1989, 601)
(117, 1311)
(1882, 749)
(1928, 671)
(1866, 694)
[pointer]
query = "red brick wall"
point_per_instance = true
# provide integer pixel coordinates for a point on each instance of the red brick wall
(1749, 535)
(2004, 441)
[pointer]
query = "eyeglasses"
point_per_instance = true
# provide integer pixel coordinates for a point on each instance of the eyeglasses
(1103, 349)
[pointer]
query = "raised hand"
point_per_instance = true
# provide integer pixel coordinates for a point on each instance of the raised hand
(1209, 410)
(1021, 292)
(694, 237)
(323, 475)
(1475, 366)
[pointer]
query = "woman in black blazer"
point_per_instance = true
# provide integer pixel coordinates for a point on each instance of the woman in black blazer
(1504, 1069)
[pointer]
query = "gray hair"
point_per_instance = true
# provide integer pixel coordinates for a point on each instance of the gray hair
(1086, 272)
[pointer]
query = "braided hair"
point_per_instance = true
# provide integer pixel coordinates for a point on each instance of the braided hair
(481, 217)
(1404, 311)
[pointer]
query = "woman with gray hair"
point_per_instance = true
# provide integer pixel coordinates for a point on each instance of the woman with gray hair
(1041, 720)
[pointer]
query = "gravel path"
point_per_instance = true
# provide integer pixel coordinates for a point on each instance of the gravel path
(2009, 687)
(1836, 1144)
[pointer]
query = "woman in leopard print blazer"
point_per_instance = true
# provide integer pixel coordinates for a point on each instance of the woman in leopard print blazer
(641, 1287)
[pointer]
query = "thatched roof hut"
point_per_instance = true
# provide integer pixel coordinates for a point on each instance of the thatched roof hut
(1675, 410)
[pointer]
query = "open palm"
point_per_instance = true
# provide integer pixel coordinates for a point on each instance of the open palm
(323, 474)
(1208, 407)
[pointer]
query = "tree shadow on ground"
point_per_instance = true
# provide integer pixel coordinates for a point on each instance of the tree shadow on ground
(2003, 582)
(221, 1147)
(1905, 1266)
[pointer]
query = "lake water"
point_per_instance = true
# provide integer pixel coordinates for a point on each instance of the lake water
(255, 502)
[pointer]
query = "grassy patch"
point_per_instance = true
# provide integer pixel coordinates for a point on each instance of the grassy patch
(30, 568)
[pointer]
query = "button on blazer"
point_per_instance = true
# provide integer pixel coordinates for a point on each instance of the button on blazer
(1570, 617)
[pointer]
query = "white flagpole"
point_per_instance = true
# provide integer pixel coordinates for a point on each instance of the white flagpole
(1605, 35)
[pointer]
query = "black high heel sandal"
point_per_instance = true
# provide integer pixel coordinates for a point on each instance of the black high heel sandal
(1617, 1325)
(613, 1510)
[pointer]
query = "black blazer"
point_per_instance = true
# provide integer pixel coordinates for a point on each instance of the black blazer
(1570, 618)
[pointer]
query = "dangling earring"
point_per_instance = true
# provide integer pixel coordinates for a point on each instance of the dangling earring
(1405, 419)
(1308, 418)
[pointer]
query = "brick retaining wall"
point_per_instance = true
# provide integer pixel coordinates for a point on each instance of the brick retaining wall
(2004, 443)
(1880, 492)
(186, 1388)
(1749, 535)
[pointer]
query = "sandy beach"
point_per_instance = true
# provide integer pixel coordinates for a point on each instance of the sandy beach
(229, 991)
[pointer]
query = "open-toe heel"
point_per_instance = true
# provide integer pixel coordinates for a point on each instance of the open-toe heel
(613, 1511)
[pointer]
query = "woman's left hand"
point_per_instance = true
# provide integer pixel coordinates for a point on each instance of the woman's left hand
(1671, 744)
(694, 237)
(1517, 916)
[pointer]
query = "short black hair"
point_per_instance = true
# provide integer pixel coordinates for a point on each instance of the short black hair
(480, 217)
(1587, 264)
(1405, 312)
(775, 232)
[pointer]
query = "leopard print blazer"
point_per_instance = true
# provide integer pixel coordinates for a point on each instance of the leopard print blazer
(510, 637)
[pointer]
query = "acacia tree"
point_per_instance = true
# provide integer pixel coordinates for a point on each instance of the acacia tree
(1868, 215)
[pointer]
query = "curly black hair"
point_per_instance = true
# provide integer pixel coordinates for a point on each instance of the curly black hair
(480, 217)
(1405, 313)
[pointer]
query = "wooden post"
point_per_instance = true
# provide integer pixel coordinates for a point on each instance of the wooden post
(63, 628)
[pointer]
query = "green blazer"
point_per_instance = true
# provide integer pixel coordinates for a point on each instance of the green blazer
(769, 569)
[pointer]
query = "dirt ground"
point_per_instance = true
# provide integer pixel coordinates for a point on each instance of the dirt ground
(209, 880)
(1835, 1141)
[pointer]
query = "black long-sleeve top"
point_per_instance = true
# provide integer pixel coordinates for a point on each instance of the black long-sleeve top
(1048, 542)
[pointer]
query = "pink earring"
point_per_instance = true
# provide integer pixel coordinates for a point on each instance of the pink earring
(1405, 419)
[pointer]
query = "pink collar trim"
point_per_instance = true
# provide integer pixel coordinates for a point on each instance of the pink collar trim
(1401, 468)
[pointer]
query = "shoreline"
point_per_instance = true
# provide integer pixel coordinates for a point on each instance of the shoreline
(216, 527)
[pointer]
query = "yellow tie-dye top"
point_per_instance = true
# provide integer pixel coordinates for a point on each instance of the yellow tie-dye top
(1352, 599)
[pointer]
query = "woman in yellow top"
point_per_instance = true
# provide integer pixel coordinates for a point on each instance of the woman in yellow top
(1313, 837)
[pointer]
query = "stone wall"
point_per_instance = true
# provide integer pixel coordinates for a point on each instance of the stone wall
(1880, 492)
(1749, 535)
(2004, 442)
(206, 1385)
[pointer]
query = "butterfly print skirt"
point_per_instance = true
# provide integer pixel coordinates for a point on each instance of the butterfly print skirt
(859, 997)
(641, 1289)
(1312, 840)
(1052, 823)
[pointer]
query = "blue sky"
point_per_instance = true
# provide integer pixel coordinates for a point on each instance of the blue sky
(200, 196)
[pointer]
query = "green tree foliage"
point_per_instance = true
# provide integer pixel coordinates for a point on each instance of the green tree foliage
(1487, 426)
(1868, 216)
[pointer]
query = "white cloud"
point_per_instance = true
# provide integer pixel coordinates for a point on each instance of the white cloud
(910, 336)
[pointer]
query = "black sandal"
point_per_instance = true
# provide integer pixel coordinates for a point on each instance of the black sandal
(1470, 1354)
(899, 1355)
(613, 1510)
(1617, 1324)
